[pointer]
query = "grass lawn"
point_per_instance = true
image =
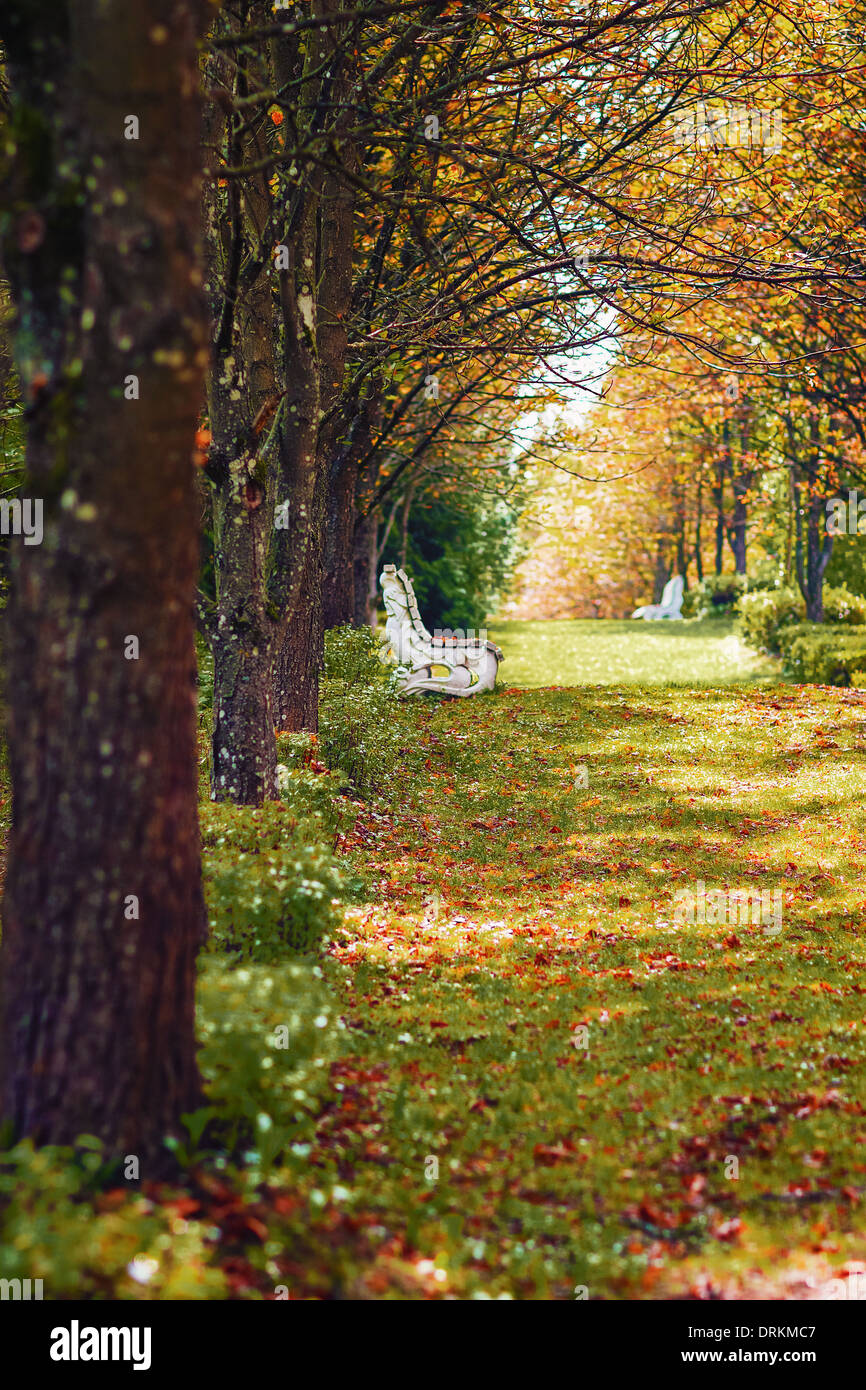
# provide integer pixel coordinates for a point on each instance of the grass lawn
(552, 1084)
(630, 652)
(519, 1069)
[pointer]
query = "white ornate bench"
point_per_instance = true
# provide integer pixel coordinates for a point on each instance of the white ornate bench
(670, 606)
(470, 664)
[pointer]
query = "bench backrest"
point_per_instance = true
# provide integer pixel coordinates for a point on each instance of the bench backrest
(400, 603)
(673, 594)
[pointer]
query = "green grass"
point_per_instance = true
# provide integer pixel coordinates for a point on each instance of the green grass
(629, 652)
(544, 1080)
(516, 909)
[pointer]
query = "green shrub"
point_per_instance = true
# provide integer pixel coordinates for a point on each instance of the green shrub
(821, 654)
(270, 881)
(267, 1040)
(365, 732)
(691, 602)
(719, 594)
(765, 618)
(308, 788)
(841, 606)
(847, 567)
(56, 1228)
(714, 596)
(205, 672)
(762, 616)
(352, 655)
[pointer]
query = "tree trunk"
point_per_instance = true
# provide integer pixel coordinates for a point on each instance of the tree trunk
(812, 552)
(365, 569)
(741, 482)
(366, 530)
(719, 501)
(242, 388)
(818, 549)
(662, 571)
(680, 531)
(737, 534)
(264, 458)
(346, 562)
(789, 527)
(405, 513)
(339, 580)
(103, 911)
(301, 657)
(699, 504)
(299, 664)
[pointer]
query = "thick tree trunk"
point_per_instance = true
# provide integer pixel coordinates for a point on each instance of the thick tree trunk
(365, 570)
(266, 441)
(299, 664)
(242, 390)
(103, 911)
(297, 559)
(301, 657)
(812, 553)
(680, 531)
(242, 743)
(366, 529)
(339, 580)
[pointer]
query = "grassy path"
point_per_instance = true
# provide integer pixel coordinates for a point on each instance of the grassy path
(551, 1081)
(611, 652)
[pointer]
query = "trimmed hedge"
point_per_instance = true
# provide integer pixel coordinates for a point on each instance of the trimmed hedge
(822, 654)
(366, 735)
(267, 1039)
(841, 606)
(271, 883)
(719, 594)
(714, 596)
(764, 618)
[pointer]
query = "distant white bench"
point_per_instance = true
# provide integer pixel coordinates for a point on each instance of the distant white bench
(670, 606)
(470, 663)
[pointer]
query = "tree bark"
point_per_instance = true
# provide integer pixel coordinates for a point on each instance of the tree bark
(789, 526)
(301, 656)
(699, 506)
(265, 457)
(299, 663)
(242, 389)
(812, 553)
(719, 501)
(405, 513)
(103, 911)
(661, 571)
(742, 478)
(739, 519)
(365, 569)
(339, 582)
